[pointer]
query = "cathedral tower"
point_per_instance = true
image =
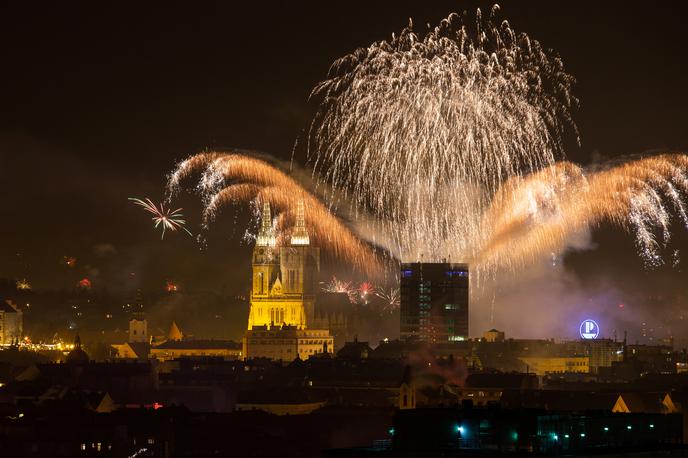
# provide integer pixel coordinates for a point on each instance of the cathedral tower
(285, 279)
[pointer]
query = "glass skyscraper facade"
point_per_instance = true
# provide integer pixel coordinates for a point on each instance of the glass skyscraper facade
(434, 301)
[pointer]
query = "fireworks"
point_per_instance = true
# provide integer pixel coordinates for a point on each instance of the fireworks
(171, 287)
(164, 218)
(338, 286)
(69, 261)
(84, 284)
(422, 130)
(451, 139)
(390, 297)
(233, 178)
(365, 290)
(448, 145)
(542, 212)
(23, 285)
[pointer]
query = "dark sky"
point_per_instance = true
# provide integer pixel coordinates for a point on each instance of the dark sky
(99, 100)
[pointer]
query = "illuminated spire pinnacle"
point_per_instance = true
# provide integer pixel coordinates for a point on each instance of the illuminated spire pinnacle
(300, 234)
(266, 236)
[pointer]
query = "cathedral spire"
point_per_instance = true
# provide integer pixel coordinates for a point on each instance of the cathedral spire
(300, 234)
(266, 236)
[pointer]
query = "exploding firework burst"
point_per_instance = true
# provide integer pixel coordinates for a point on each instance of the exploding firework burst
(390, 297)
(171, 287)
(542, 212)
(336, 285)
(421, 130)
(365, 290)
(448, 145)
(23, 285)
(234, 178)
(451, 141)
(164, 218)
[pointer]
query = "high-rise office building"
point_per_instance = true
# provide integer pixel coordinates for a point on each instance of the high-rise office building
(434, 302)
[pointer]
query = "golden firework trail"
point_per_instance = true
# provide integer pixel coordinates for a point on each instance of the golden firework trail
(228, 177)
(449, 145)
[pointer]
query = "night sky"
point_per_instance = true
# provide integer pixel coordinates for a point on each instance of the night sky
(99, 101)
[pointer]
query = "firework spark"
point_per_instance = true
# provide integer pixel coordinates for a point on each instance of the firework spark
(23, 285)
(171, 287)
(390, 297)
(163, 218)
(338, 286)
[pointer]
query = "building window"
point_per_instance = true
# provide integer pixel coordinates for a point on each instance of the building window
(457, 273)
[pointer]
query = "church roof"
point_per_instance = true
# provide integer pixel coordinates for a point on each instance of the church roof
(8, 307)
(198, 345)
(175, 333)
(77, 355)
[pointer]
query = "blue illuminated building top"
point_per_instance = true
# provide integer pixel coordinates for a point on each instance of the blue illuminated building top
(457, 273)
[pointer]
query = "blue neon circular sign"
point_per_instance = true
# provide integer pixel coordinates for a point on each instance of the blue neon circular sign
(589, 329)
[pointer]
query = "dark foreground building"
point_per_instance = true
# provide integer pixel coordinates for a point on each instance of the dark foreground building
(469, 432)
(434, 302)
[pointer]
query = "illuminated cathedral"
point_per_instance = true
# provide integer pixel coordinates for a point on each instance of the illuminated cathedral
(285, 278)
(284, 286)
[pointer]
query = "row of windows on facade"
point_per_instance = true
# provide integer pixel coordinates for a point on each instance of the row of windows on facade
(278, 315)
(97, 446)
(286, 342)
(292, 280)
(449, 273)
(310, 334)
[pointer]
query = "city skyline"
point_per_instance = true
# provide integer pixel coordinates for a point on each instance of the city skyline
(88, 217)
(344, 229)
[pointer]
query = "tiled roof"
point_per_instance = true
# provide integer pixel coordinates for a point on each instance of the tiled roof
(198, 345)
